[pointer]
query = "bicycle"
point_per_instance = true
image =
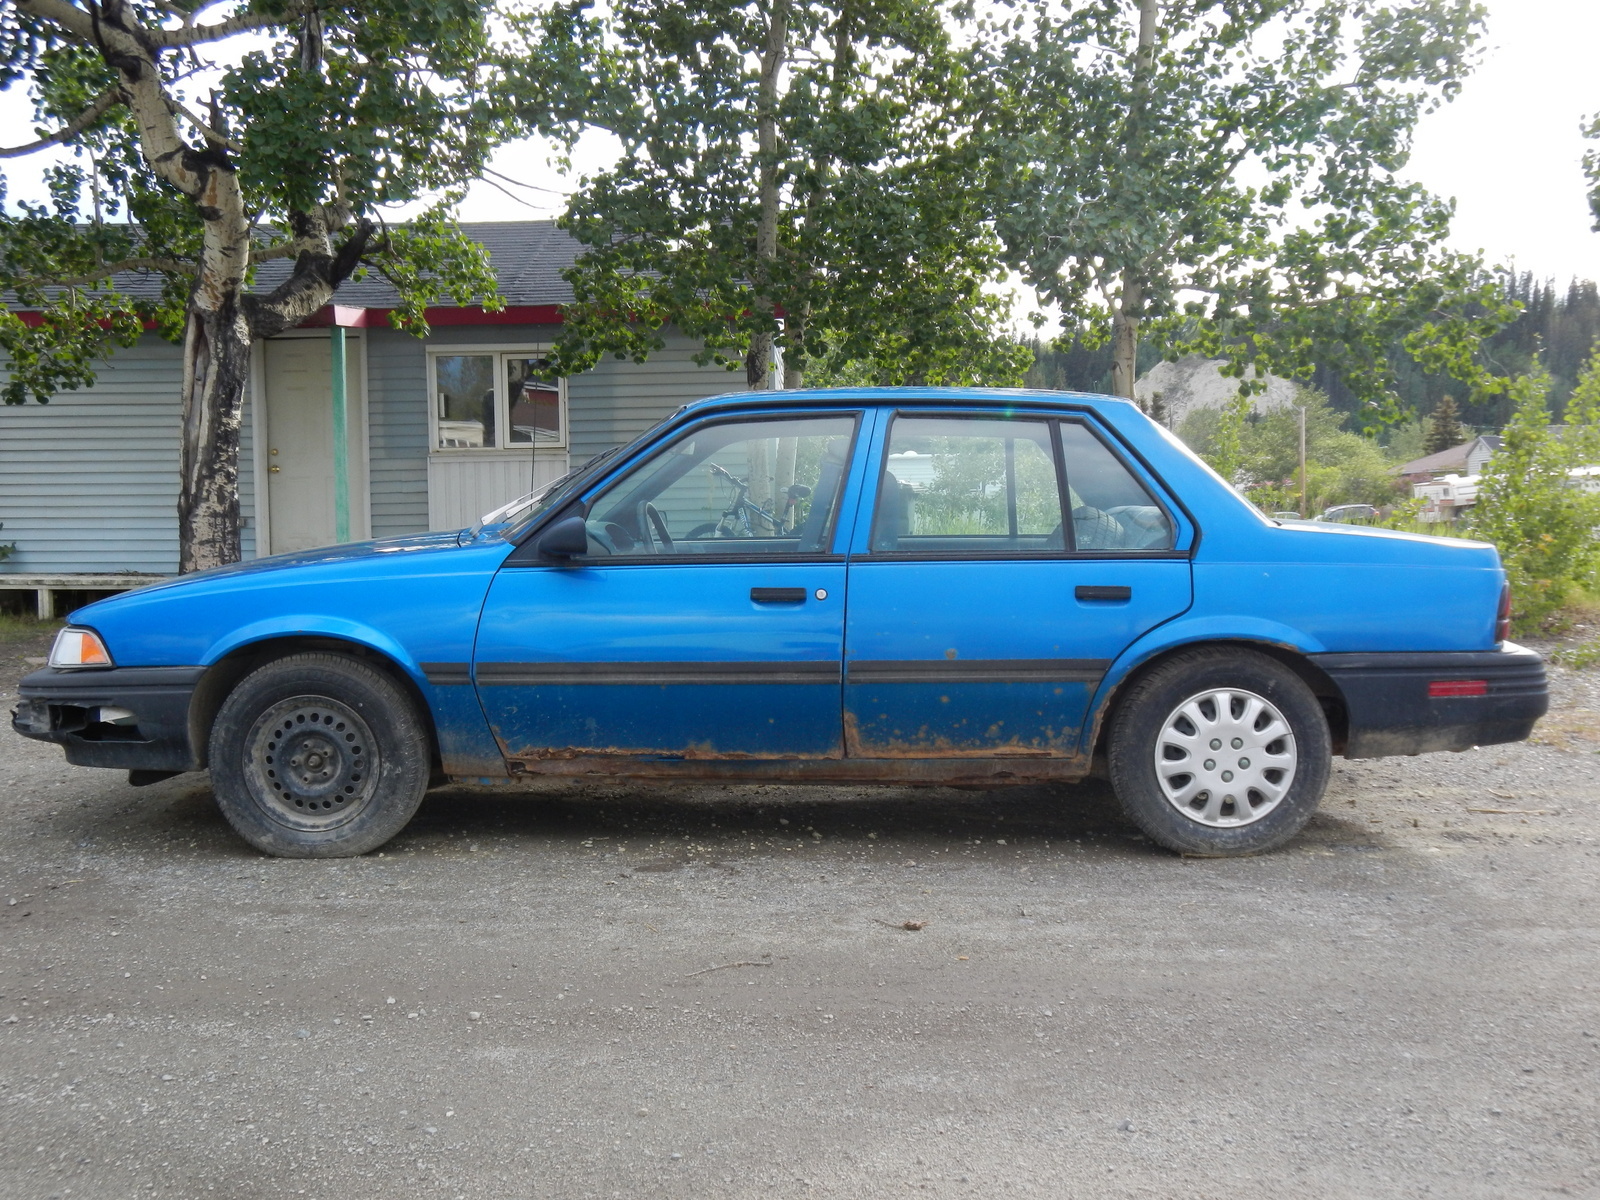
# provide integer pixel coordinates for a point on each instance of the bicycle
(738, 520)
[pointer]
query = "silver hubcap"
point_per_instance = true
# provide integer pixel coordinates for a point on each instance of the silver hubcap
(1225, 758)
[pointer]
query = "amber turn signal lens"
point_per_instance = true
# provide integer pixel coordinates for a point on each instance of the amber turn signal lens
(79, 648)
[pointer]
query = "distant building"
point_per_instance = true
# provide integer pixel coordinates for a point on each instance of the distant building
(1446, 497)
(1469, 458)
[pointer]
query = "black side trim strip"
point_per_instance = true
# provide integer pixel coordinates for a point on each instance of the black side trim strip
(447, 674)
(655, 674)
(55, 682)
(980, 670)
(1512, 657)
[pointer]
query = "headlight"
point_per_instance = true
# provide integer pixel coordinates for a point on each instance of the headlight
(79, 648)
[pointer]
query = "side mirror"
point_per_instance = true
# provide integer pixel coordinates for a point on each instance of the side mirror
(567, 538)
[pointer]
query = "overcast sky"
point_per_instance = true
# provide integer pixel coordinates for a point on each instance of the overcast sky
(1508, 150)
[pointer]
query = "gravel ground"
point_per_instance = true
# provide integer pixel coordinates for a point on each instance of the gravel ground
(626, 992)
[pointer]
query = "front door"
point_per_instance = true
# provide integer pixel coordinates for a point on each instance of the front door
(1010, 561)
(299, 440)
(707, 620)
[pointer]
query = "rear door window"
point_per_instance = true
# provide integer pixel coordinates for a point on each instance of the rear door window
(968, 485)
(1111, 510)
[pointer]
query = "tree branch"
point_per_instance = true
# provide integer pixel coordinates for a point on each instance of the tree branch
(195, 35)
(262, 254)
(103, 103)
(211, 135)
(65, 17)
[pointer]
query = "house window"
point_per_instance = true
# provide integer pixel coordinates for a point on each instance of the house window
(496, 401)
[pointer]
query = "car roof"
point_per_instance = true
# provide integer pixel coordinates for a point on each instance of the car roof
(953, 396)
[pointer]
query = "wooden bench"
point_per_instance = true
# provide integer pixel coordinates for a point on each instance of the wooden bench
(45, 587)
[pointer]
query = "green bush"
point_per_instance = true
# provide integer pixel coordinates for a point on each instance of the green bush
(1527, 504)
(1261, 452)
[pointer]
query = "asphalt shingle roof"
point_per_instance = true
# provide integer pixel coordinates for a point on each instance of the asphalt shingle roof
(528, 257)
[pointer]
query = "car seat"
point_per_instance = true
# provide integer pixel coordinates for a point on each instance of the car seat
(895, 502)
(829, 476)
(1144, 526)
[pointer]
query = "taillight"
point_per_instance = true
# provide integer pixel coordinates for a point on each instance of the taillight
(1502, 620)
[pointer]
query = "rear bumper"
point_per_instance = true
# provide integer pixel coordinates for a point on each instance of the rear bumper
(66, 707)
(1391, 711)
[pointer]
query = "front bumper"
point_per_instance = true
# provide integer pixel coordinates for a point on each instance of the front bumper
(66, 707)
(1390, 710)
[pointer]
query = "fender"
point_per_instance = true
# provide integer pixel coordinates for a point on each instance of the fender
(1186, 631)
(316, 625)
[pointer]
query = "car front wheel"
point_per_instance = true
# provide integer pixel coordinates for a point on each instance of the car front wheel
(318, 756)
(1220, 752)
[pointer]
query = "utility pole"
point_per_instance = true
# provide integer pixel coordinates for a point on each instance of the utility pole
(1303, 513)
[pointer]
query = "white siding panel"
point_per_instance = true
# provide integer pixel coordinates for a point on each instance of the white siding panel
(89, 482)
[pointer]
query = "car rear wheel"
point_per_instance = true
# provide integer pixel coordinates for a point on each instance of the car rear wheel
(1220, 752)
(318, 756)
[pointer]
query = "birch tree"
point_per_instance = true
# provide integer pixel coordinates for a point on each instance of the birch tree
(792, 176)
(1227, 177)
(315, 115)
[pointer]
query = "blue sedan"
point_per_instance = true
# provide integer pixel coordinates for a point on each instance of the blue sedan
(890, 585)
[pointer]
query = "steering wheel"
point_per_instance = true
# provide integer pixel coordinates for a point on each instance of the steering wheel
(653, 528)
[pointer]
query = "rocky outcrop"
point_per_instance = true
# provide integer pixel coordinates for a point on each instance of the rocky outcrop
(1195, 382)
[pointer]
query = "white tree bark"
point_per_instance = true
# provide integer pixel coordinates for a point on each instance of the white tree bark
(758, 361)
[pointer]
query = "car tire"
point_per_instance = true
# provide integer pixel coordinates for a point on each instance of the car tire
(318, 756)
(1220, 752)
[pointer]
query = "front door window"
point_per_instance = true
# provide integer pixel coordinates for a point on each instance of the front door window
(754, 487)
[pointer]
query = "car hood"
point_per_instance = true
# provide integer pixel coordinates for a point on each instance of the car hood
(421, 543)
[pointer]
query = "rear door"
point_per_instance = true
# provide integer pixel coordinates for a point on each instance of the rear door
(706, 621)
(1009, 559)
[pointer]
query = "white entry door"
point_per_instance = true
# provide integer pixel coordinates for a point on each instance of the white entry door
(299, 442)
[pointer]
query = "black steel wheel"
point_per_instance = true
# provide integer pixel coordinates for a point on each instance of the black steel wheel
(1220, 751)
(318, 756)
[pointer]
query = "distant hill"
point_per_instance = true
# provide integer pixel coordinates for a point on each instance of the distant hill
(1194, 382)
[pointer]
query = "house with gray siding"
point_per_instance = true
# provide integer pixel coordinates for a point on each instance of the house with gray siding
(439, 430)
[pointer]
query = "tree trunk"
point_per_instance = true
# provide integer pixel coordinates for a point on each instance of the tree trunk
(1125, 337)
(758, 362)
(1128, 306)
(223, 321)
(216, 370)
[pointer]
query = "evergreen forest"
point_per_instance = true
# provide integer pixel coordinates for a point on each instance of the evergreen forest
(1560, 324)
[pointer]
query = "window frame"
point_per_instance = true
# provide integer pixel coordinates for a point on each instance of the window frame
(830, 537)
(501, 353)
(1069, 550)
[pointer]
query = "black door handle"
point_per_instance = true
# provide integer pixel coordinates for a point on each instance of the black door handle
(778, 595)
(1103, 593)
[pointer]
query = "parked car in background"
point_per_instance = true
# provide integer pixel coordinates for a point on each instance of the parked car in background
(1348, 514)
(903, 586)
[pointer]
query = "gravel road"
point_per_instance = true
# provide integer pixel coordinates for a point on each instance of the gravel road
(625, 992)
